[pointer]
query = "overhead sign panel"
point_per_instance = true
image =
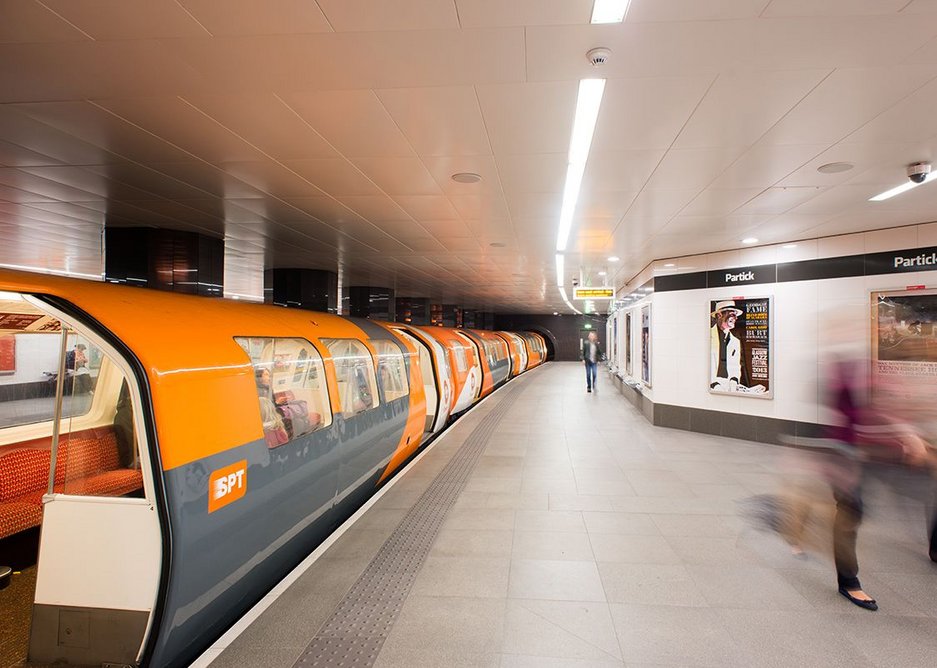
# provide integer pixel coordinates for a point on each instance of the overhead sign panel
(593, 293)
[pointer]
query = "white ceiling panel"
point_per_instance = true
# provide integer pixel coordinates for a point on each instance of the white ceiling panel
(364, 15)
(427, 207)
(622, 170)
(846, 101)
(127, 19)
(28, 21)
(544, 128)
(493, 13)
(779, 200)
(692, 168)
(718, 201)
(439, 121)
(272, 178)
(641, 11)
(264, 122)
(355, 123)
(475, 207)
(335, 176)
(740, 107)
(802, 8)
(921, 7)
(766, 165)
(376, 209)
(904, 122)
(399, 175)
(641, 114)
(533, 173)
(258, 17)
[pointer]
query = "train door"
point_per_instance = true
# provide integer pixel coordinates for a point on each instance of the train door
(74, 463)
(427, 369)
(522, 350)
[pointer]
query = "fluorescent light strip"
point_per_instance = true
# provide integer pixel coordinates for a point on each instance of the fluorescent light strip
(559, 269)
(57, 272)
(566, 299)
(587, 112)
(609, 11)
(904, 187)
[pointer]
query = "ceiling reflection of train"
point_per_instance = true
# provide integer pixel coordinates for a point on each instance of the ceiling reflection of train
(194, 450)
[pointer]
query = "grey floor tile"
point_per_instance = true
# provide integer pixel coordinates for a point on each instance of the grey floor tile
(802, 638)
(560, 629)
(470, 577)
(891, 640)
(520, 501)
(549, 520)
(631, 549)
(447, 627)
(630, 524)
(675, 635)
(479, 519)
(555, 580)
(480, 543)
(650, 584)
(264, 656)
(552, 545)
(743, 586)
(717, 551)
(715, 526)
(574, 501)
(528, 661)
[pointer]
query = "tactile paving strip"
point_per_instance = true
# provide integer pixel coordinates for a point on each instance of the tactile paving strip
(354, 634)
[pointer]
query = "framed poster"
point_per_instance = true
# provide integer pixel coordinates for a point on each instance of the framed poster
(628, 343)
(904, 349)
(740, 347)
(646, 344)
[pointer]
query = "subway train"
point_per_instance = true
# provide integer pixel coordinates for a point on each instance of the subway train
(191, 451)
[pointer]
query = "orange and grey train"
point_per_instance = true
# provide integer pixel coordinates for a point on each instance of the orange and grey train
(181, 454)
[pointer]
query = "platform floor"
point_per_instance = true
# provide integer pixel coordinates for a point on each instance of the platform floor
(584, 537)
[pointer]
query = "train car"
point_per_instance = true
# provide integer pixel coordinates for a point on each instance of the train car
(181, 454)
(465, 363)
(495, 360)
(536, 348)
(518, 352)
(437, 373)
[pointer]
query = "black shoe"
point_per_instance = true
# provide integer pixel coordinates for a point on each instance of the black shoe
(588, 389)
(868, 605)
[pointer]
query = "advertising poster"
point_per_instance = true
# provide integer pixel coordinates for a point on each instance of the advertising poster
(628, 343)
(740, 347)
(904, 348)
(646, 344)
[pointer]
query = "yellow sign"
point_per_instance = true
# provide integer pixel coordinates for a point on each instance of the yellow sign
(593, 293)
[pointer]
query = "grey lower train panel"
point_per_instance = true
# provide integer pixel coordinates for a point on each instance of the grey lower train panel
(86, 636)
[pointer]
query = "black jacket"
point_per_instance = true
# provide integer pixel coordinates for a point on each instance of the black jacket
(584, 353)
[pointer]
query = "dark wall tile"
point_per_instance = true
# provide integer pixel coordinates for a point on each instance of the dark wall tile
(740, 426)
(706, 422)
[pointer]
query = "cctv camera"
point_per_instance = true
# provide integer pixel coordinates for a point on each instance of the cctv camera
(575, 282)
(918, 171)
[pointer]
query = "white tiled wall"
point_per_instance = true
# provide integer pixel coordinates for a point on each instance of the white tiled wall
(811, 320)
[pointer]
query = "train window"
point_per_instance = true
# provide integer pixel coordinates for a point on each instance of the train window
(291, 388)
(354, 369)
(391, 369)
(460, 362)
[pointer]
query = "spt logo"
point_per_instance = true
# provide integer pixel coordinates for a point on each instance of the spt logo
(227, 485)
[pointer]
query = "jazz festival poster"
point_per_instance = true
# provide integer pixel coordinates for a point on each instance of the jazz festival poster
(740, 347)
(646, 345)
(904, 348)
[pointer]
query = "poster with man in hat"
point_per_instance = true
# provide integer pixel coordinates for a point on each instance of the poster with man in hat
(739, 347)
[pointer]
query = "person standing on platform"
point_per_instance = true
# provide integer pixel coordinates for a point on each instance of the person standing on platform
(591, 354)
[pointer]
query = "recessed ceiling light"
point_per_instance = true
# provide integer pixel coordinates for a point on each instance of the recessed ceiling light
(466, 177)
(835, 167)
(749, 240)
(555, 313)
(614, 258)
(789, 246)
(670, 264)
(601, 273)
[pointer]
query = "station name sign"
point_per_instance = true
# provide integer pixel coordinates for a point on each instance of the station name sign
(593, 293)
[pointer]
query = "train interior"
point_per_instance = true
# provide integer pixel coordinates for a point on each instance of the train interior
(69, 446)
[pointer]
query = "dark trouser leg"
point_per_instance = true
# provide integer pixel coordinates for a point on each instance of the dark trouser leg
(845, 530)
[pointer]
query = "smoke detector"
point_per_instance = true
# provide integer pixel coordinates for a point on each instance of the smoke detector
(598, 56)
